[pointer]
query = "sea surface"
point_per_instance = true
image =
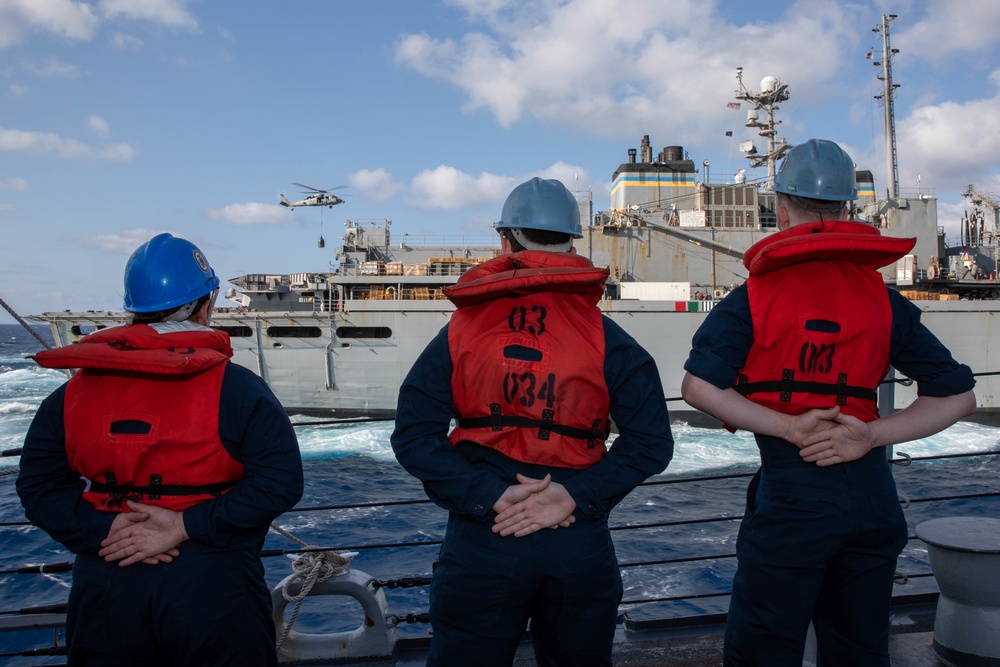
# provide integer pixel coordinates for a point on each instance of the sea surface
(352, 464)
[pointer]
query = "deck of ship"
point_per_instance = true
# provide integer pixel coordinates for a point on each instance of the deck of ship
(697, 641)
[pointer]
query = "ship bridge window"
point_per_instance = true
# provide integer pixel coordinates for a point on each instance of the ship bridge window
(241, 331)
(294, 332)
(364, 332)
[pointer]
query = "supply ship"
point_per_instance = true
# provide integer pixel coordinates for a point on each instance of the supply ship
(339, 343)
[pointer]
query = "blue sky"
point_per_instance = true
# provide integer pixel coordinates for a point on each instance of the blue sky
(120, 119)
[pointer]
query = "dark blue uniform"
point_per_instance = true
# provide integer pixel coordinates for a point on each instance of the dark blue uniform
(210, 606)
(817, 543)
(566, 580)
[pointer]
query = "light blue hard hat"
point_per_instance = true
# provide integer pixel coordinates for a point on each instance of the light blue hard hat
(166, 272)
(818, 169)
(543, 204)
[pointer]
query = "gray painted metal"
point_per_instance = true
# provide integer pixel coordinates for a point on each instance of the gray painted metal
(965, 558)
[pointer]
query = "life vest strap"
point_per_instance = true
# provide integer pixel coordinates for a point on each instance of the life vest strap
(156, 488)
(546, 426)
(787, 386)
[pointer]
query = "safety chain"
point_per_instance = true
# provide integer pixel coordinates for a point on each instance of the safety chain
(313, 567)
(392, 620)
(402, 582)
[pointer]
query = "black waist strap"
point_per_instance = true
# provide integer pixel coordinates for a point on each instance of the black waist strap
(789, 385)
(155, 488)
(497, 422)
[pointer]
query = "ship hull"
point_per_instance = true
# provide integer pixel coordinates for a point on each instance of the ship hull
(351, 362)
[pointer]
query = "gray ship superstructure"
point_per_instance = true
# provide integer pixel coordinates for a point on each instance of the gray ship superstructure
(339, 343)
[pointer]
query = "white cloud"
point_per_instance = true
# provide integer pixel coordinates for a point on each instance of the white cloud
(956, 142)
(46, 143)
(123, 42)
(66, 18)
(77, 20)
(124, 243)
(168, 12)
(17, 90)
(99, 125)
(447, 188)
(251, 213)
(627, 68)
(950, 27)
(375, 184)
(53, 69)
(14, 184)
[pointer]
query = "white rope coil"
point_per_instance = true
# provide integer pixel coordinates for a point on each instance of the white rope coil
(309, 568)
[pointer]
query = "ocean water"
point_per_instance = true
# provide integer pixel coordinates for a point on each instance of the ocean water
(352, 464)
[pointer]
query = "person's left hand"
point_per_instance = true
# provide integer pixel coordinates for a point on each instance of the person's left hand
(801, 427)
(550, 507)
(146, 534)
(849, 440)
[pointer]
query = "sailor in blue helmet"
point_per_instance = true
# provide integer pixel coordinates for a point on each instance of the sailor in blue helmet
(161, 465)
(532, 374)
(795, 355)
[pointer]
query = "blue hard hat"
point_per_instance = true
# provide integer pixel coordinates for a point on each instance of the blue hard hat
(166, 272)
(543, 204)
(818, 169)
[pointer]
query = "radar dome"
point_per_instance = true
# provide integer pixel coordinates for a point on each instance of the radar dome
(768, 84)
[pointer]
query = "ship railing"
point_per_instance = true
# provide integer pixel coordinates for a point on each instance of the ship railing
(718, 527)
(449, 241)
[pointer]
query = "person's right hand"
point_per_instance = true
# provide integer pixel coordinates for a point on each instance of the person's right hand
(147, 534)
(807, 425)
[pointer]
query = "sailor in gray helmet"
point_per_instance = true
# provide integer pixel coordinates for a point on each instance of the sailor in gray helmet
(532, 374)
(795, 355)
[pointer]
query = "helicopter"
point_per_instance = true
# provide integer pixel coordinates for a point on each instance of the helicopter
(314, 197)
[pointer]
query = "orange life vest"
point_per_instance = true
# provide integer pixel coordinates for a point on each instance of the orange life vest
(821, 318)
(527, 345)
(142, 416)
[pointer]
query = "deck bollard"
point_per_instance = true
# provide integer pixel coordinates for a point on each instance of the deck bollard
(965, 558)
(373, 638)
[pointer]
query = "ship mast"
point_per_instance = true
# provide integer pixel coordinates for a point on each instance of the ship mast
(888, 93)
(772, 91)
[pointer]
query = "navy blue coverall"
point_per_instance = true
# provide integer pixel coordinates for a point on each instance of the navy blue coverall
(486, 587)
(210, 606)
(816, 543)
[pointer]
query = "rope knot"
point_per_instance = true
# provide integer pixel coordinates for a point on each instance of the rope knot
(309, 568)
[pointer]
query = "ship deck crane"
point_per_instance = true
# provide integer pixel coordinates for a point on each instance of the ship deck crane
(974, 227)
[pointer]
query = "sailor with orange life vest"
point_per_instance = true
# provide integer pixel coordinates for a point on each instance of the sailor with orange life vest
(533, 375)
(161, 465)
(796, 355)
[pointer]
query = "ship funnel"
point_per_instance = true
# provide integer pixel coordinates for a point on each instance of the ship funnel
(631, 156)
(673, 153)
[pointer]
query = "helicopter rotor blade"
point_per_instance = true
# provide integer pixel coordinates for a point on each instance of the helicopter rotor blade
(308, 187)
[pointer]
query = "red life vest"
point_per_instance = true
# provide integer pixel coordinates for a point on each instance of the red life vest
(527, 345)
(821, 318)
(142, 416)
